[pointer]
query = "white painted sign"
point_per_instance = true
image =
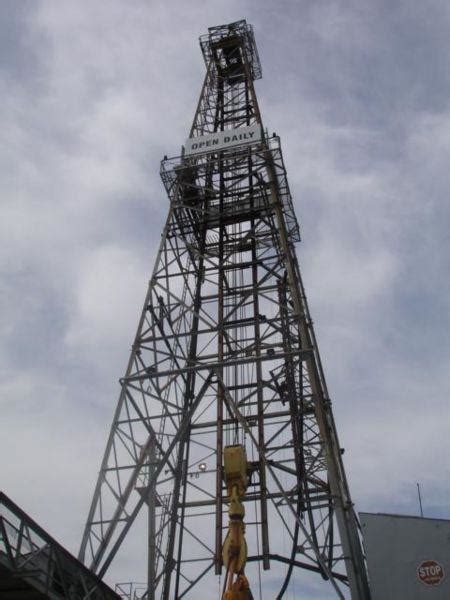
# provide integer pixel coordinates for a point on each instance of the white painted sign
(221, 140)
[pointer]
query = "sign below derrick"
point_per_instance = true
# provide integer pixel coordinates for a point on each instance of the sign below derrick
(430, 572)
(221, 140)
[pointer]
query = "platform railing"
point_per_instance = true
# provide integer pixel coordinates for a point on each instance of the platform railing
(30, 557)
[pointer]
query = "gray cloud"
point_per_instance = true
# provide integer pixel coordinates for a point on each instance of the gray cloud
(93, 95)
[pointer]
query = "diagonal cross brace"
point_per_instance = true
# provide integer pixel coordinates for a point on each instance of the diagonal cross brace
(124, 498)
(239, 416)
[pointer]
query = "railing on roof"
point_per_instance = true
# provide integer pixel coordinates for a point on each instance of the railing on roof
(30, 558)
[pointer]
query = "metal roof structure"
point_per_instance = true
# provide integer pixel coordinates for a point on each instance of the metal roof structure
(33, 566)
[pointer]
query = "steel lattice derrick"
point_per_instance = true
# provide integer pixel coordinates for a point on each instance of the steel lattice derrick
(225, 354)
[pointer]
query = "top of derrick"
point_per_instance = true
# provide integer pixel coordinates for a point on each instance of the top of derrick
(233, 49)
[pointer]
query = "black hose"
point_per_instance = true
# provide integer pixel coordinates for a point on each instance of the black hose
(293, 552)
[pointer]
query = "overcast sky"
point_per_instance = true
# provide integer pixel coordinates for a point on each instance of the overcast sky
(93, 93)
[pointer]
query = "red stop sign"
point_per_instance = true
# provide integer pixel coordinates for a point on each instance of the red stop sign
(430, 572)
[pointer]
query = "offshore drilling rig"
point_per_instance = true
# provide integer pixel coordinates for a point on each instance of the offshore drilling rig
(224, 432)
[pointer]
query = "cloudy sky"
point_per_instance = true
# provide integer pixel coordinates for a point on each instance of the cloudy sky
(93, 94)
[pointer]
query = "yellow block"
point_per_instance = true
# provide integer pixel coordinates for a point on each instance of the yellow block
(235, 468)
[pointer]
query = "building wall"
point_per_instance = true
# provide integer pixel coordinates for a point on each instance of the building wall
(408, 557)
